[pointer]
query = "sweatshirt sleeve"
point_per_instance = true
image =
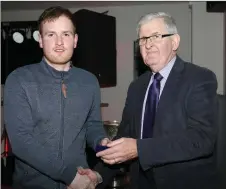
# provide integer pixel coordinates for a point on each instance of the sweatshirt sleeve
(95, 130)
(25, 146)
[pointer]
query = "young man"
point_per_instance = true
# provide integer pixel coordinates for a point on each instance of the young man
(167, 135)
(51, 110)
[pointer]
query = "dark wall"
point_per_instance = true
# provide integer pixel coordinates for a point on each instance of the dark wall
(215, 6)
(96, 49)
(14, 54)
(221, 139)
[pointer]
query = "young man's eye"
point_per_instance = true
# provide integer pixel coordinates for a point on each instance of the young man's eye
(50, 35)
(66, 34)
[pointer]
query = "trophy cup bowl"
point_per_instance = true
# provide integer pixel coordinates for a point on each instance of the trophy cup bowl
(111, 128)
(121, 180)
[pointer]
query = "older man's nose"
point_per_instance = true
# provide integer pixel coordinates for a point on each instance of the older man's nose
(149, 43)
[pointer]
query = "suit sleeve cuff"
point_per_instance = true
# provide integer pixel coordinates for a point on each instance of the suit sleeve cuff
(68, 175)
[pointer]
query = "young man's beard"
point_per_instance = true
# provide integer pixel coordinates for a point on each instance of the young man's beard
(57, 61)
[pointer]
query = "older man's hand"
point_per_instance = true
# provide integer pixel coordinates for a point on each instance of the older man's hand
(120, 150)
(105, 141)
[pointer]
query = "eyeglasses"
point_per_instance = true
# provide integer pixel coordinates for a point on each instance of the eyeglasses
(153, 38)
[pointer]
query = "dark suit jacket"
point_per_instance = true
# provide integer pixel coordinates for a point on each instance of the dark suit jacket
(180, 154)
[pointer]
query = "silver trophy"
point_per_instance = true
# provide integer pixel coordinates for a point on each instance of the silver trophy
(111, 128)
(121, 180)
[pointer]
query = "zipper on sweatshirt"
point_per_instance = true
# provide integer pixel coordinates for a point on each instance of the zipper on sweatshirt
(63, 97)
(63, 86)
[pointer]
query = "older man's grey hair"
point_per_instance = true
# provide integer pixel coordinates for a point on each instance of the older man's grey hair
(168, 20)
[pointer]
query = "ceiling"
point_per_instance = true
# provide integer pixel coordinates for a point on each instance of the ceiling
(27, 5)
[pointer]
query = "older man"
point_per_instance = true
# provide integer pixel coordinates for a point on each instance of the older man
(168, 132)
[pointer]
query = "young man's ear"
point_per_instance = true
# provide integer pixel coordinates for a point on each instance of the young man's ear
(75, 40)
(40, 40)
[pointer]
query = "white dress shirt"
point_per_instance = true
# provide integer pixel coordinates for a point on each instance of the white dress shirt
(164, 73)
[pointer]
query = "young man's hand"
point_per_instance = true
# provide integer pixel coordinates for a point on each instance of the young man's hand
(85, 181)
(94, 176)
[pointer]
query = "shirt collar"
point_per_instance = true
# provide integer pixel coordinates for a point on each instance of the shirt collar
(55, 73)
(166, 70)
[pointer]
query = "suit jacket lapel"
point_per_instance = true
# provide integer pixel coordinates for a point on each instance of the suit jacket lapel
(140, 100)
(170, 89)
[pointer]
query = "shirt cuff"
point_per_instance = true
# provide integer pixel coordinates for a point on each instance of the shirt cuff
(99, 177)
